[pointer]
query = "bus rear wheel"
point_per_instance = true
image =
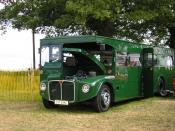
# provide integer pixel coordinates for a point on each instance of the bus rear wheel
(162, 91)
(103, 99)
(48, 104)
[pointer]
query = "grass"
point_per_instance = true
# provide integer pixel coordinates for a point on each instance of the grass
(152, 114)
(19, 85)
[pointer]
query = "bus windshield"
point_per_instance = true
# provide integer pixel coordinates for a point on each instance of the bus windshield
(50, 53)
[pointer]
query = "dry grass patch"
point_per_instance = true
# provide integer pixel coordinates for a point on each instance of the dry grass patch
(19, 85)
(153, 114)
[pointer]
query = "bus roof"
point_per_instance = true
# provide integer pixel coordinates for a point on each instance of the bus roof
(86, 39)
(115, 43)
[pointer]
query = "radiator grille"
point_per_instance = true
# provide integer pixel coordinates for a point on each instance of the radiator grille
(62, 90)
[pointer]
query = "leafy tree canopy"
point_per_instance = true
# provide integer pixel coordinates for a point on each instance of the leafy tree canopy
(136, 20)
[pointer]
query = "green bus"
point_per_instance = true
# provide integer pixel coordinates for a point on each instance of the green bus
(102, 70)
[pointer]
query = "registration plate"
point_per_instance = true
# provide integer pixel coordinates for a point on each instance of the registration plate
(61, 102)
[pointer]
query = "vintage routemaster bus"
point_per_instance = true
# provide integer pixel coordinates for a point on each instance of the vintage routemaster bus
(102, 70)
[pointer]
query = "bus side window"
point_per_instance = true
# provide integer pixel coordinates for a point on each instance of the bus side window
(166, 61)
(148, 60)
(155, 60)
(169, 61)
(134, 60)
(121, 59)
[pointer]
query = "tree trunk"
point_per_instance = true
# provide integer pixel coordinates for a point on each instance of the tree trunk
(33, 38)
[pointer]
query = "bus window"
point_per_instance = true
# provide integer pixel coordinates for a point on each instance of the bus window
(121, 59)
(162, 61)
(169, 61)
(44, 55)
(105, 57)
(69, 60)
(50, 53)
(55, 53)
(66, 55)
(148, 59)
(134, 60)
(166, 61)
(155, 60)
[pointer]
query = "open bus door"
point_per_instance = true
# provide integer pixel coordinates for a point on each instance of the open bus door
(147, 72)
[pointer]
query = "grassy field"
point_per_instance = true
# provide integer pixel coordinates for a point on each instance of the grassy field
(153, 114)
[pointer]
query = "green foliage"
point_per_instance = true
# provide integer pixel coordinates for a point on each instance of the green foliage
(97, 16)
(131, 19)
(98, 9)
(153, 17)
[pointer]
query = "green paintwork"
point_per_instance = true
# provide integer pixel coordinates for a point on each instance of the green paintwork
(125, 81)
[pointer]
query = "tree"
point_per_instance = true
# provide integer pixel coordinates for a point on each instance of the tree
(67, 16)
(153, 19)
(131, 19)
(134, 20)
(96, 16)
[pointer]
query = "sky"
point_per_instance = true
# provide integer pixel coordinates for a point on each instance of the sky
(16, 52)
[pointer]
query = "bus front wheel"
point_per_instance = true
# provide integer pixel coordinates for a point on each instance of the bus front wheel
(48, 104)
(162, 90)
(103, 99)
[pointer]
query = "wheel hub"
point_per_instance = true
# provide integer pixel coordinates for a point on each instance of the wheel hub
(105, 98)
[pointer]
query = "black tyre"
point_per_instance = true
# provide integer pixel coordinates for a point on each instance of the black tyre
(103, 99)
(162, 91)
(48, 104)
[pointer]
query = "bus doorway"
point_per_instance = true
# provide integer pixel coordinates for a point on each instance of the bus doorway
(147, 72)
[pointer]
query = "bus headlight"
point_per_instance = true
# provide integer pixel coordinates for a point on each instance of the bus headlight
(43, 86)
(85, 88)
